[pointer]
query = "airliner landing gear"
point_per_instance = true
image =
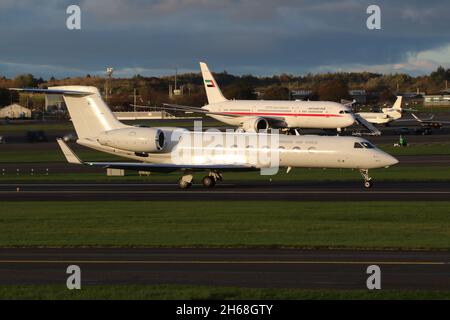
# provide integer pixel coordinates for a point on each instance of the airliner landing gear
(367, 179)
(210, 180)
(186, 181)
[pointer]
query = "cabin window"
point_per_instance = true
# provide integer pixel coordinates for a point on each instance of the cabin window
(296, 148)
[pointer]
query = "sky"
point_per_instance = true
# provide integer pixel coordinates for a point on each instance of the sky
(261, 37)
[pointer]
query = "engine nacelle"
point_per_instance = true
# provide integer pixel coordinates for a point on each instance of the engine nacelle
(255, 124)
(134, 139)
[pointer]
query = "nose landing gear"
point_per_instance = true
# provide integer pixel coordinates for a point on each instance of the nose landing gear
(368, 183)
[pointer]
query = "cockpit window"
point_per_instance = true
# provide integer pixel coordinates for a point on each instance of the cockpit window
(344, 112)
(363, 145)
(368, 145)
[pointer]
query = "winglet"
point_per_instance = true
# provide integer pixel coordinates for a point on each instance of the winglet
(71, 157)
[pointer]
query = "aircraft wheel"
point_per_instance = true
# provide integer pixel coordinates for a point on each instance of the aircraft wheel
(209, 182)
(184, 184)
(368, 184)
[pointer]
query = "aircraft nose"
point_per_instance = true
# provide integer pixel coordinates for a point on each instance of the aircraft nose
(389, 160)
(351, 119)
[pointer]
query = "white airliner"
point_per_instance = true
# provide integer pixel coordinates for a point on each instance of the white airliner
(174, 149)
(257, 115)
(386, 115)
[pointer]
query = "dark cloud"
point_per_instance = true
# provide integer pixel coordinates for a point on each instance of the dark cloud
(259, 36)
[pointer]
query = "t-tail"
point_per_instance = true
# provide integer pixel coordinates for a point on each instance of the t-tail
(395, 112)
(89, 113)
(212, 89)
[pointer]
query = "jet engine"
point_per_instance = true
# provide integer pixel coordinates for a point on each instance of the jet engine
(148, 140)
(255, 124)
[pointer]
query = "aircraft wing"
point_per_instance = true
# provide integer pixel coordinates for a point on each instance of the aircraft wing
(373, 130)
(177, 107)
(428, 121)
(72, 158)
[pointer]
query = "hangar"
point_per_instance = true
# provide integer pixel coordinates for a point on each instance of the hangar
(15, 111)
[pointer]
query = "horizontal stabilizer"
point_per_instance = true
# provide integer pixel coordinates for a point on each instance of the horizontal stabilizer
(52, 91)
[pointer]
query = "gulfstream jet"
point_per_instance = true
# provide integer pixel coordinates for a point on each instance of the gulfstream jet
(164, 149)
(257, 115)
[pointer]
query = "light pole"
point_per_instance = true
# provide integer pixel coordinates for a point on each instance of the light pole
(109, 73)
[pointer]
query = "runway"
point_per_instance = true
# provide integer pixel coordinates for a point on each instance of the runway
(245, 191)
(263, 268)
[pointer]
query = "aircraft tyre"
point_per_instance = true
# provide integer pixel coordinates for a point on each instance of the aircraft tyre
(368, 184)
(209, 182)
(184, 184)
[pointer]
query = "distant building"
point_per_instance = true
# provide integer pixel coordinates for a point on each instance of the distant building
(437, 100)
(54, 102)
(15, 111)
(360, 96)
(301, 94)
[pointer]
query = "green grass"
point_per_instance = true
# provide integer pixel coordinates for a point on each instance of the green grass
(18, 127)
(15, 156)
(407, 225)
(394, 174)
(39, 126)
(424, 149)
(176, 292)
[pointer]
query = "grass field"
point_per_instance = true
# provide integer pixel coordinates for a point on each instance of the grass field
(407, 225)
(174, 292)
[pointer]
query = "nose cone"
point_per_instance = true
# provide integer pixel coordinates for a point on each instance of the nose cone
(389, 160)
(350, 119)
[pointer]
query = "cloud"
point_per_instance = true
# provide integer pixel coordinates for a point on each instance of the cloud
(259, 36)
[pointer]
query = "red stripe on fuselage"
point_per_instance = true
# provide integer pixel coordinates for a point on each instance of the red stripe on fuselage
(285, 114)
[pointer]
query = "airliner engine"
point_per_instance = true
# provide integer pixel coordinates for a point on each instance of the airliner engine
(134, 139)
(255, 124)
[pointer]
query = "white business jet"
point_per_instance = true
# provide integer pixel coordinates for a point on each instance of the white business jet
(174, 149)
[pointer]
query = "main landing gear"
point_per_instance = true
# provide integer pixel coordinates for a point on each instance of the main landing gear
(185, 181)
(367, 179)
(208, 181)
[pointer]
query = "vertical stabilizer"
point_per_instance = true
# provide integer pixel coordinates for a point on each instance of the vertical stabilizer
(212, 89)
(90, 114)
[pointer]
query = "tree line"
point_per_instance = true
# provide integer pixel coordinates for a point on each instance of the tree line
(154, 91)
